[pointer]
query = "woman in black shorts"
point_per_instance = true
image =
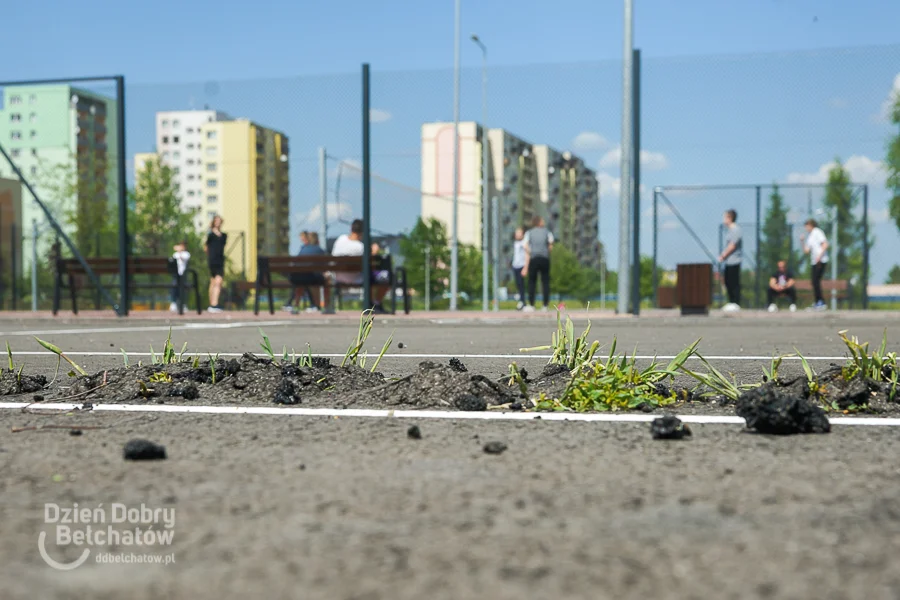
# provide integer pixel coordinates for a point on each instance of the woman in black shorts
(215, 256)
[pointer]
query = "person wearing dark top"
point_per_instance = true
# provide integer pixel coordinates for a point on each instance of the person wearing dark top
(215, 257)
(782, 284)
(310, 247)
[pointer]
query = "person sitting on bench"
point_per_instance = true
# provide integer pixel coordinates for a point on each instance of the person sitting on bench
(304, 281)
(352, 245)
(782, 284)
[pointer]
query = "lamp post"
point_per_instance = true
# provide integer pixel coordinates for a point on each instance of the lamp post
(454, 221)
(625, 162)
(485, 197)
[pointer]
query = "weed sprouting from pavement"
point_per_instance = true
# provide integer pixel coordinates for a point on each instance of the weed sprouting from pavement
(266, 345)
(384, 348)
(60, 355)
(366, 320)
(811, 381)
(9, 358)
(568, 350)
(771, 374)
(715, 380)
(124, 357)
(212, 367)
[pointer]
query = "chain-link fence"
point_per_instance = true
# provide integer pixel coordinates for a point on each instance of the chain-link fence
(268, 154)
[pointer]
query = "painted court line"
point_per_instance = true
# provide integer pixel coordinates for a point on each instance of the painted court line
(148, 328)
(423, 414)
(191, 353)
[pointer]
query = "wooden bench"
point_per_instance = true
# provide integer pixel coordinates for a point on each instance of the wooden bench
(70, 275)
(285, 266)
(841, 286)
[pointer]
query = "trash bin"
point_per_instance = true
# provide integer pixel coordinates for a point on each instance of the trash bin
(665, 297)
(695, 285)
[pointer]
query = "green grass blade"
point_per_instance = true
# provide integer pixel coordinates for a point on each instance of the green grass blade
(9, 357)
(384, 349)
(124, 357)
(55, 350)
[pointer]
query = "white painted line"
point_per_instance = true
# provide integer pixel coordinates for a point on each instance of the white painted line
(148, 328)
(422, 414)
(191, 353)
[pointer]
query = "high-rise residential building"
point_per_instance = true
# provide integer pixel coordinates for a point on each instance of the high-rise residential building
(179, 144)
(61, 137)
(245, 179)
(527, 180)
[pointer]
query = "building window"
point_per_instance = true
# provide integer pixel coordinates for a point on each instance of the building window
(176, 170)
(190, 146)
(211, 167)
(15, 99)
(165, 139)
(211, 135)
(165, 122)
(190, 130)
(15, 118)
(190, 192)
(211, 215)
(176, 123)
(175, 139)
(33, 134)
(34, 152)
(165, 155)
(15, 135)
(212, 199)
(32, 118)
(190, 176)
(211, 150)
(176, 155)
(211, 183)
(34, 170)
(14, 153)
(190, 161)
(32, 99)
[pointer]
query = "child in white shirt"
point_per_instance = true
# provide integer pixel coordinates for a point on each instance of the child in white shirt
(181, 256)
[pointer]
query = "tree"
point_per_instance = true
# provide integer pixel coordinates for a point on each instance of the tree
(839, 197)
(893, 275)
(429, 234)
(158, 222)
(893, 164)
(776, 236)
(567, 276)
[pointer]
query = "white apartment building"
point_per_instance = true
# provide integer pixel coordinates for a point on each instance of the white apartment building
(180, 145)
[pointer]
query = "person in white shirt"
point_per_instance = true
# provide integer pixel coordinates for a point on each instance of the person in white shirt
(518, 263)
(181, 256)
(816, 245)
(352, 245)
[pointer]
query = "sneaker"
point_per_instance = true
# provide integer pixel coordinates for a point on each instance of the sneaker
(545, 308)
(528, 309)
(214, 309)
(287, 308)
(731, 307)
(773, 308)
(313, 309)
(520, 305)
(820, 306)
(173, 307)
(793, 308)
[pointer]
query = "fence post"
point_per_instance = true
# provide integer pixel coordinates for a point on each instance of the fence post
(655, 247)
(34, 241)
(13, 253)
(756, 279)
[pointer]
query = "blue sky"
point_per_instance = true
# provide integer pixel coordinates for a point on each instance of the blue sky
(736, 91)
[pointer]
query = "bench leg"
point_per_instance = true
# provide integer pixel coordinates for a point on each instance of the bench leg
(257, 290)
(271, 297)
(73, 293)
(57, 291)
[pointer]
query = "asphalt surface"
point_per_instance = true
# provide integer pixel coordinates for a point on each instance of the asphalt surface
(352, 508)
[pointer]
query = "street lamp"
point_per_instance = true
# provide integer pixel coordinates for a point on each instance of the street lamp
(485, 203)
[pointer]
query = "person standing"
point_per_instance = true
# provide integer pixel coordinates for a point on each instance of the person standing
(215, 258)
(538, 245)
(731, 258)
(518, 263)
(181, 256)
(816, 245)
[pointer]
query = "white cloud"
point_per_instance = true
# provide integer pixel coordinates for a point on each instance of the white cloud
(862, 169)
(589, 140)
(652, 161)
(879, 215)
(610, 186)
(378, 115)
(335, 211)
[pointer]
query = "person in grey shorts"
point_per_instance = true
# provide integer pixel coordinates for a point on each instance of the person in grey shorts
(538, 245)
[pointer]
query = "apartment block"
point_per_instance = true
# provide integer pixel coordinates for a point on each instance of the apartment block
(60, 136)
(180, 145)
(526, 179)
(245, 179)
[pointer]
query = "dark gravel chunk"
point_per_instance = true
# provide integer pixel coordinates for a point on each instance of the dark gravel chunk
(669, 427)
(286, 393)
(470, 403)
(457, 365)
(773, 409)
(138, 449)
(495, 448)
(188, 391)
(414, 433)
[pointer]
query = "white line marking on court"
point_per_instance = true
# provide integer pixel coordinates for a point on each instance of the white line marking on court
(179, 327)
(447, 356)
(422, 414)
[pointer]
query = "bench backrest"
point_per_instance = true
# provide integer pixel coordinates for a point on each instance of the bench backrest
(839, 285)
(319, 264)
(137, 265)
